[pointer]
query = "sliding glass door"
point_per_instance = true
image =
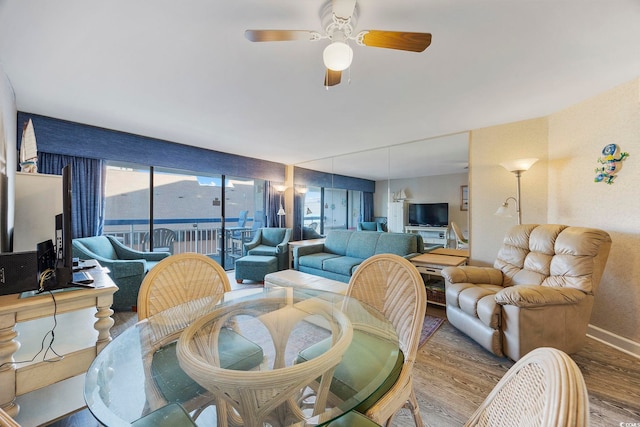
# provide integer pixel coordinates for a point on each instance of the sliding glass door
(185, 212)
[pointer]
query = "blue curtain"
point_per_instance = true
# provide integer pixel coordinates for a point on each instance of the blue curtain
(298, 205)
(366, 206)
(272, 205)
(88, 205)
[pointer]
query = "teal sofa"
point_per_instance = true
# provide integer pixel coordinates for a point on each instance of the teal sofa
(127, 267)
(344, 250)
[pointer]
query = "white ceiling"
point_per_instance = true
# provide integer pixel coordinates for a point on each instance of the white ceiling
(183, 71)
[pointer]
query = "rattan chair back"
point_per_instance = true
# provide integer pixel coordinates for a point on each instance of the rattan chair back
(544, 388)
(178, 279)
(394, 287)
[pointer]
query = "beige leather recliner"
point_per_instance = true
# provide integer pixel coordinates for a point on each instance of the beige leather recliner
(539, 292)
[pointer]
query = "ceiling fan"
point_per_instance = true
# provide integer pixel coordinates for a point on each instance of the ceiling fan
(339, 17)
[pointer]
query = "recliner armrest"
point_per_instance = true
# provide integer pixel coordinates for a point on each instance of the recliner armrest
(528, 296)
(472, 274)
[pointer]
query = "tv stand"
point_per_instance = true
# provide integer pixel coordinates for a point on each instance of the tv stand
(430, 235)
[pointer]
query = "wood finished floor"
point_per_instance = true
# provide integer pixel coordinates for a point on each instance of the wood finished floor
(453, 375)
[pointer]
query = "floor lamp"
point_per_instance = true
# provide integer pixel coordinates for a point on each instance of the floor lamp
(517, 167)
(280, 189)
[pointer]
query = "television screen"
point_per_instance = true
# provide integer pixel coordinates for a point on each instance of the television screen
(429, 214)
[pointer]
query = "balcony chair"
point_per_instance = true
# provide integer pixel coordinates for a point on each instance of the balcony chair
(539, 292)
(163, 239)
(238, 233)
(461, 241)
(197, 279)
(271, 242)
(393, 286)
(545, 388)
(127, 267)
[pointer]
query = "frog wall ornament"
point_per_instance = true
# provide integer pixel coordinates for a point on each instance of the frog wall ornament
(611, 160)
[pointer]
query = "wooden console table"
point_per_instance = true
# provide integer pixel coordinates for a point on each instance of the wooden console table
(24, 322)
(432, 264)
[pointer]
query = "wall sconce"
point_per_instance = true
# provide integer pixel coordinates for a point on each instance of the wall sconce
(517, 167)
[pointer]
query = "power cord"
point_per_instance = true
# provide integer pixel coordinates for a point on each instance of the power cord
(49, 347)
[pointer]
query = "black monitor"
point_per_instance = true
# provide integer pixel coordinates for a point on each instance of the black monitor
(64, 269)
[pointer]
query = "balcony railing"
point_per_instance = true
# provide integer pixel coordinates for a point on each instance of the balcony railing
(191, 235)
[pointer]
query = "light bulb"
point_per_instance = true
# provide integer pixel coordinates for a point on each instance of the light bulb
(337, 56)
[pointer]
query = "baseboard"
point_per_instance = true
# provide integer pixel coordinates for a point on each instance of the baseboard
(620, 343)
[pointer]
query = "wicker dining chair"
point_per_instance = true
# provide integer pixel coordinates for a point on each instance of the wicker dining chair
(196, 279)
(393, 286)
(545, 388)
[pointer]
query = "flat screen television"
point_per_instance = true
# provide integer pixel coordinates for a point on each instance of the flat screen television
(429, 214)
(64, 270)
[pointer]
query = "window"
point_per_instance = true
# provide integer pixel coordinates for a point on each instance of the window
(185, 211)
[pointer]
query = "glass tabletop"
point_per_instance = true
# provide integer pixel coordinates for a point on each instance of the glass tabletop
(275, 356)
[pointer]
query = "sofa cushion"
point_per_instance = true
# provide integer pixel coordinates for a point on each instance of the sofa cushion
(316, 260)
(396, 243)
(362, 244)
(99, 245)
(341, 265)
(336, 241)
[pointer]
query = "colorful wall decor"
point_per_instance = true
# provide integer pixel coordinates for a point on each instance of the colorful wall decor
(611, 160)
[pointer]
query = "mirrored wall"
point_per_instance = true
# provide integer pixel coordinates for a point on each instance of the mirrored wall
(341, 191)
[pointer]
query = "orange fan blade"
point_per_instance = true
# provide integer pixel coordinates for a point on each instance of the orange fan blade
(332, 78)
(279, 35)
(401, 40)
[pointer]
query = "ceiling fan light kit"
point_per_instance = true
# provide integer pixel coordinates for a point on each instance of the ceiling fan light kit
(339, 17)
(337, 56)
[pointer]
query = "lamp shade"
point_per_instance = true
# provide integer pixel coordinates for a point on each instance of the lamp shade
(503, 211)
(337, 56)
(281, 211)
(519, 165)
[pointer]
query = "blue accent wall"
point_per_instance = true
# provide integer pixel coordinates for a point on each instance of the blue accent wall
(76, 139)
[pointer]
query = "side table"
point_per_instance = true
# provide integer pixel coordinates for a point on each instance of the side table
(432, 264)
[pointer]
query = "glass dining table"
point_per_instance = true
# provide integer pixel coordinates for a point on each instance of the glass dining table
(123, 386)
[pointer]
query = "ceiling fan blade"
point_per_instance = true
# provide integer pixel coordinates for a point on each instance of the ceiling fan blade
(401, 40)
(280, 35)
(332, 78)
(343, 8)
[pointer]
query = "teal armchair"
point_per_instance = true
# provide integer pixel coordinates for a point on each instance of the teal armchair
(271, 242)
(127, 267)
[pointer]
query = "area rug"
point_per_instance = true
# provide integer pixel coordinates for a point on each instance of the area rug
(430, 325)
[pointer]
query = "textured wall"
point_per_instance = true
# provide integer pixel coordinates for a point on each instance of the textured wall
(490, 184)
(560, 188)
(576, 138)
